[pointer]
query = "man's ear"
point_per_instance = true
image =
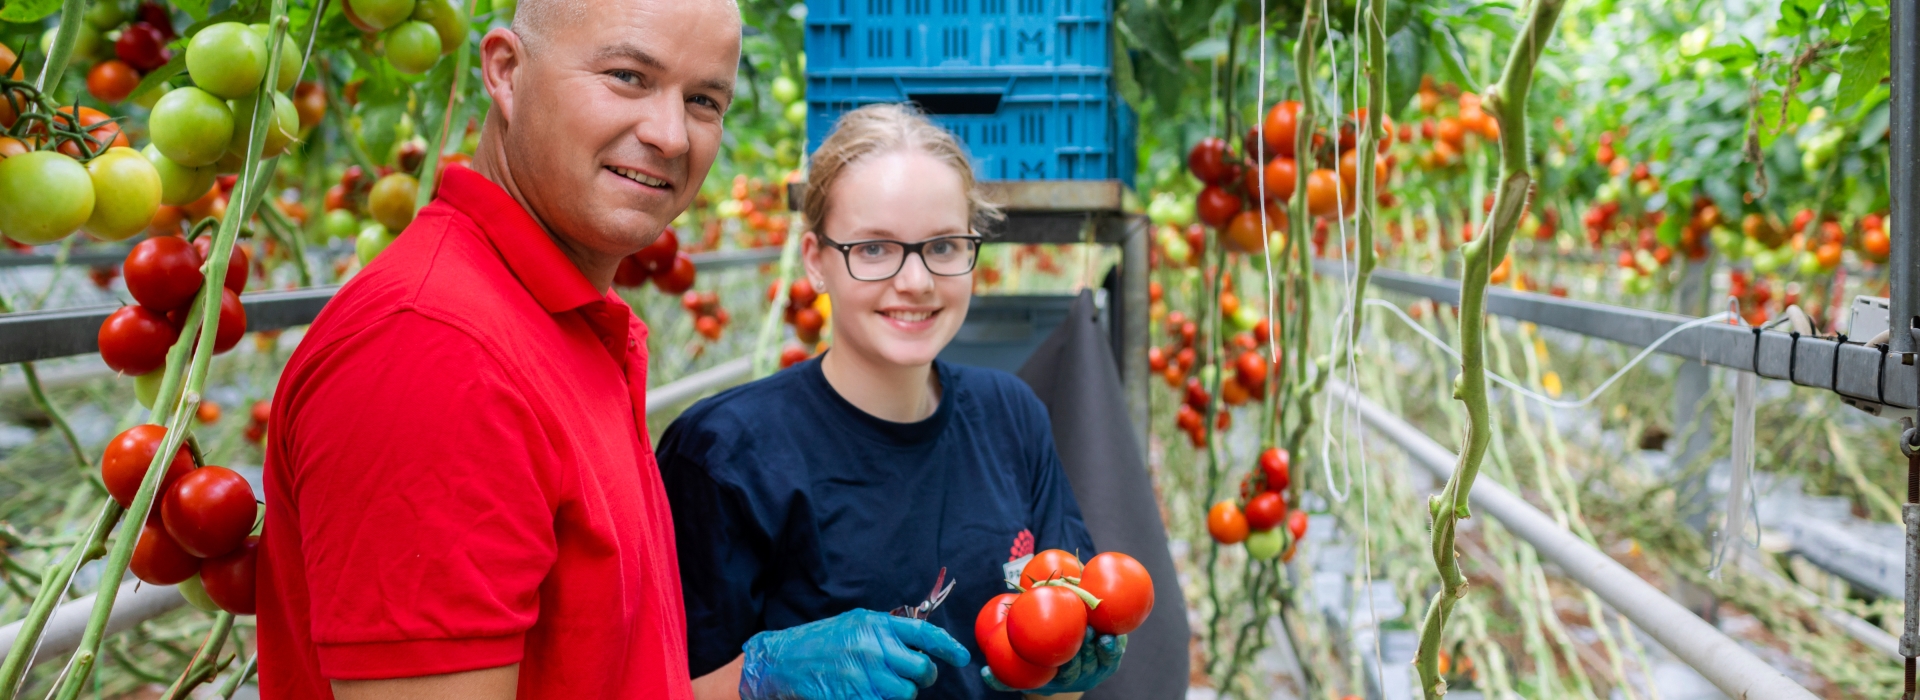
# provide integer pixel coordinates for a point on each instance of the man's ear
(502, 53)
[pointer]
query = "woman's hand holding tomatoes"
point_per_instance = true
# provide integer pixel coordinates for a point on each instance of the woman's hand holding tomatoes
(1067, 629)
(856, 654)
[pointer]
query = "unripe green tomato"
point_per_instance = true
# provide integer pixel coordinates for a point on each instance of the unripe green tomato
(1184, 211)
(44, 196)
(1246, 318)
(280, 132)
(381, 14)
(797, 114)
(340, 224)
(227, 59)
(1640, 285)
(289, 56)
(196, 594)
(1811, 161)
(1767, 260)
(449, 21)
(1262, 546)
(372, 240)
(126, 190)
(1178, 252)
(785, 90)
(1810, 264)
(1158, 211)
(1207, 375)
(105, 15)
(191, 127)
(179, 184)
(146, 387)
(392, 199)
(413, 47)
(1728, 241)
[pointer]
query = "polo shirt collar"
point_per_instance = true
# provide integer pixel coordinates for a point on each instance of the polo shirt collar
(530, 253)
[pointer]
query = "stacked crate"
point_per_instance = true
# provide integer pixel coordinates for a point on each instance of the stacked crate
(1027, 85)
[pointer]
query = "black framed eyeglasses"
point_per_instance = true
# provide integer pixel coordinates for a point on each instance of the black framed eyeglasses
(880, 259)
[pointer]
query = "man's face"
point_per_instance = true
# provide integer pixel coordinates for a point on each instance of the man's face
(613, 121)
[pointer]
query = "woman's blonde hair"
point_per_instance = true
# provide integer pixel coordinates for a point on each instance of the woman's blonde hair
(880, 129)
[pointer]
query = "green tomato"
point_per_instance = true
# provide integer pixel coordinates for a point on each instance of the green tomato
(146, 387)
(1159, 210)
(44, 196)
(1207, 375)
(196, 594)
(797, 114)
(381, 14)
(1641, 284)
(1246, 318)
(1184, 211)
(126, 191)
(289, 56)
(1767, 260)
(449, 20)
(785, 90)
(191, 127)
(413, 47)
(179, 184)
(1809, 263)
(105, 15)
(1262, 546)
(1728, 241)
(279, 133)
(372, 240)
(339, 223)
(227, 59)
(1178, 252)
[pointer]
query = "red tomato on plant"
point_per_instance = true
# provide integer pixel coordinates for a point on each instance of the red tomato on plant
(1251, 371)
(238, 264)
(802, 293)
(1297, 524)
(112, 80)
(1046, 625)
(1323, 192)
(676, 278)
(659, 255)
(1217, 206)
(102, 128)
(807, 323)
(229, 579)
(127, 457)
(1265, 511)
(163, 273)
(792, 355)
(1281, 179)
(1282, 122)
(1007, 666)
(1124, 588)
(1209, 161)
(1049, 565)
(209, 511)
(142, 46)
(159, 560)
(134, 340)
(630, 273)
(707, 326)
(1274, 464)
(1226, 523)
(233, 322)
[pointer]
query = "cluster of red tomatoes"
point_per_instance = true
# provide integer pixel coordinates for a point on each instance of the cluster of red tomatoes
(140, 48)
(199, 532)
(803, 312)
(1235, 193)
(755, 203)
(1754, 294)
(708, 316)
(1448, 128)
(1175, 363)
(1027, 636)
(1262, 509)
(671, 269)
(163, 275)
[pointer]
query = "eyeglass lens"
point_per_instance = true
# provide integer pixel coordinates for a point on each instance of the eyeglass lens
(871, 261)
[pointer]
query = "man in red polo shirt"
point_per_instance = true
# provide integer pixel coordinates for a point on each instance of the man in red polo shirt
(462, 501)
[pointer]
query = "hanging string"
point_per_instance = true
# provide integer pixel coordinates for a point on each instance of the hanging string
(1741, 496)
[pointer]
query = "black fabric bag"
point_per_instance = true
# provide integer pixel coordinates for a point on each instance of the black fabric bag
(1073, 372)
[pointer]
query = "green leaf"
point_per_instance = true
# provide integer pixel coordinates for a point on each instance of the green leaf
(1206, 50)
(1451, 57)
(196, 9)
(1865, 62)
(1406, 62)
(24, 11)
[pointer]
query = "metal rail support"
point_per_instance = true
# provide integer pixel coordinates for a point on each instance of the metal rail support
(1723, 661)
(1904, 295)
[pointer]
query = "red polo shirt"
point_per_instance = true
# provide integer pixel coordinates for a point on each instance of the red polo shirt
(458, 475)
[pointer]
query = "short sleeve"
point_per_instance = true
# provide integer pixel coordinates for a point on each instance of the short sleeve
(720, 546)
(1055, 515)
(424, 507)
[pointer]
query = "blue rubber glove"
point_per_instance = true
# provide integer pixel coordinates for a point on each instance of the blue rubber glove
(858, 654)
(1098, 658)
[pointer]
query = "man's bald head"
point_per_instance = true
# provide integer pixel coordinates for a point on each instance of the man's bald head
(537, 21)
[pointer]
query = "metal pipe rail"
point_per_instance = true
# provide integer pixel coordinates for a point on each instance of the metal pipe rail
(40, 335)
(133, 606)
(1865, 377)
(1729, 666)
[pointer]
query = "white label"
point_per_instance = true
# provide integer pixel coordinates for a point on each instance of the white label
(1011, 570)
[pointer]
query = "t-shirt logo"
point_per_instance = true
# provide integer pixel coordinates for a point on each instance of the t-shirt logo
(1018, 557)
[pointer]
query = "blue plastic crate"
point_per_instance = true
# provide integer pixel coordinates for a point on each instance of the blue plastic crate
(890, 34)
(1017, 125)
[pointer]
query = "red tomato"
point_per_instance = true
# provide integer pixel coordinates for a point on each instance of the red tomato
(1156, 359)
(233, 322)
(112, 80)
(1125, 590)
(229, 579)
(707, 326)
(159, 560)
(127, 457)
(261, 411)
(104, 131)
(1297, 524)
(1282, 122)
(209, 511)
(1274, 464)
(1323, 192)
(792, 355)
(142, 46)
(163, 273)
(992, 615)
(1209, 162)
(1217, 206)
(1265, 511)
(1281, 179)
(1008, 668)
(134, 340)
(1197, 395)
(310, 103)
(156, 14)
(238, 264)
(630, 273)
(1046, 625)
(678, 277)
(802, 293)
(659, 255)
(807, 324)
(1049, 565)
(1226, 523)
(1251, 371)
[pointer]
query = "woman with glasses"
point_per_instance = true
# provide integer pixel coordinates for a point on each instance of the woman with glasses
(808, 504)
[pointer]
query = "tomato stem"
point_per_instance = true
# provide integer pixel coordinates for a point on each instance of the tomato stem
(1085, 597)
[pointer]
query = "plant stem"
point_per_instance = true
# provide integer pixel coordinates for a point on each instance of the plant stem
(1508, 103)
(71, 12)
(53, 586)
(295, 238)
(206, 661)
(233, 682)
(1376, 103)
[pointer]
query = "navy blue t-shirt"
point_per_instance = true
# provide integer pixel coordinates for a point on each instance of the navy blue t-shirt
(792, 505)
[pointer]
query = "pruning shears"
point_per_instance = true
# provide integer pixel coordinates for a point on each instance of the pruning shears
(941, 587)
